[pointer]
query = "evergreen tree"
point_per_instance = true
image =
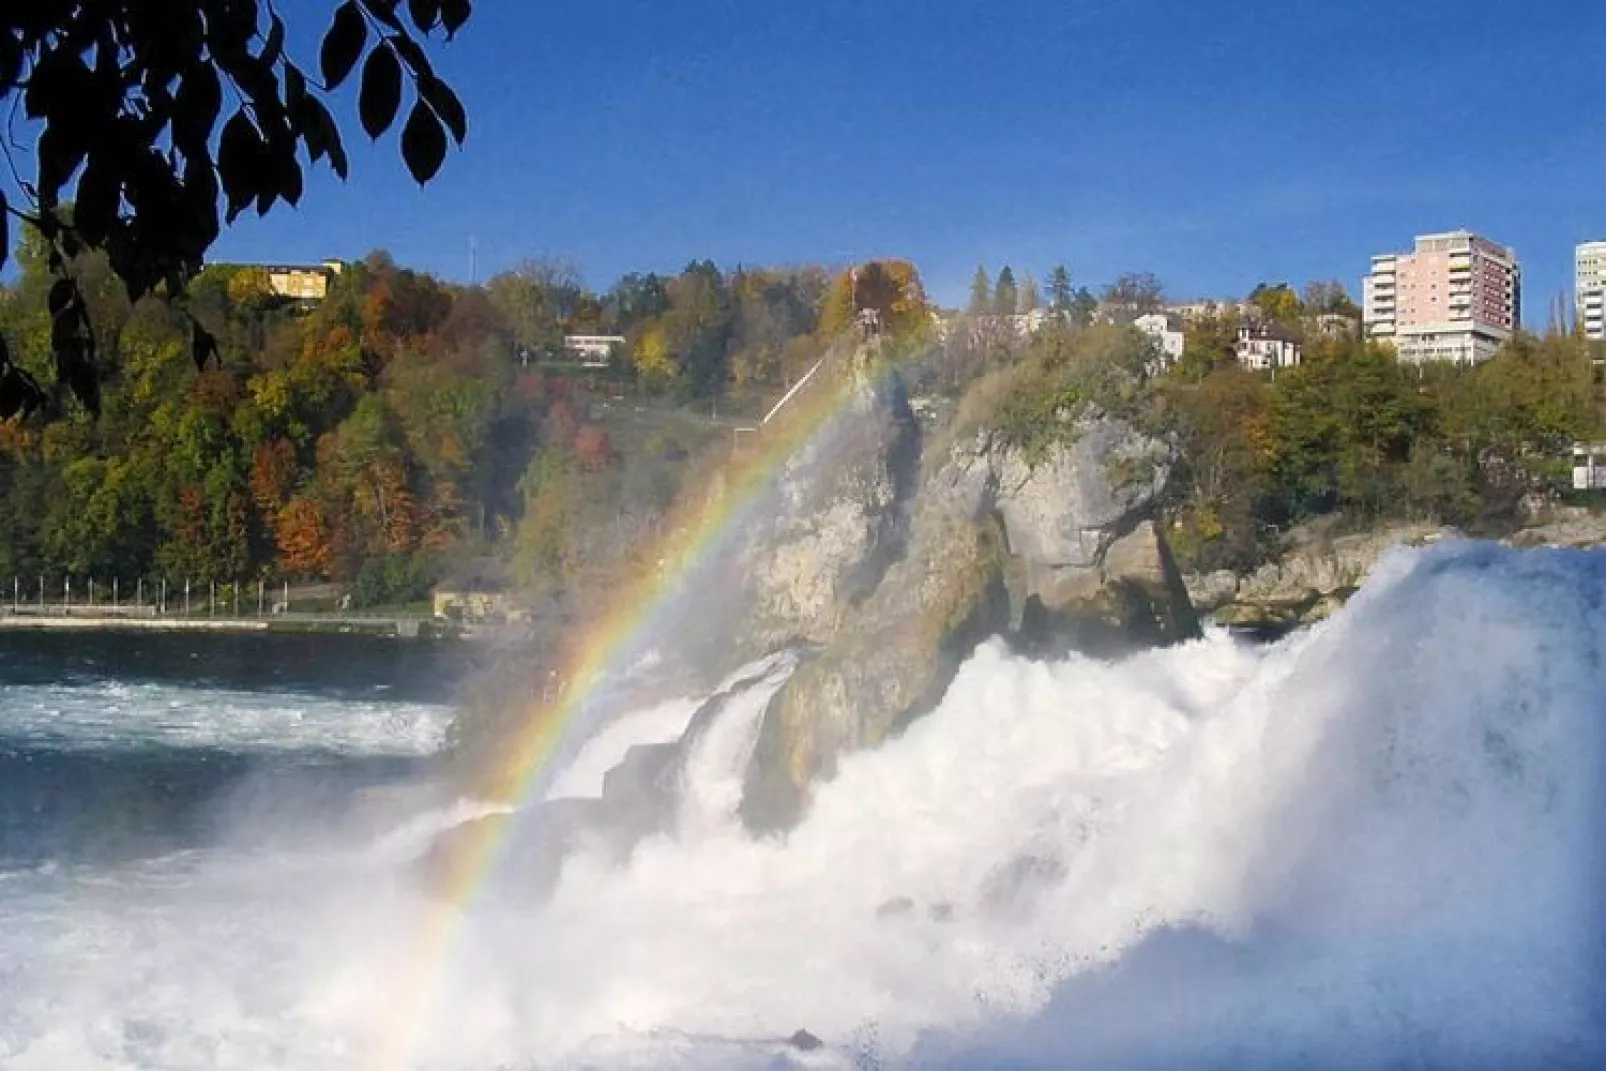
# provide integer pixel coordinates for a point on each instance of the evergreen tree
(981, 293)
(1004, 293)
(1060, 295)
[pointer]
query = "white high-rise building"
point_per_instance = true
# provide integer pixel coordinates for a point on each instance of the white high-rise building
(1456, 297)
(1590, 288)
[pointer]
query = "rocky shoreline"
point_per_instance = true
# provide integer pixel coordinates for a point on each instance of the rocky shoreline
(1320, 568)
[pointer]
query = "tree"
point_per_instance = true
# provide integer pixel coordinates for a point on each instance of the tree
(592, 448)
(1083, 306)
(1133, 294)
(1005, 294)
(981, 293)
(135, 151)
(1030, 299)
(890, 288)
(1278, 302)
(1329, 298)
(1210, 344)
(1060, 294)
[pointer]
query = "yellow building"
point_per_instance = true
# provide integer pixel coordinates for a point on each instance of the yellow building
(472, 606)
(302, 282)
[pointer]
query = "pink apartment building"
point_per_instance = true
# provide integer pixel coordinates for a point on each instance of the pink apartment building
(1457, 297)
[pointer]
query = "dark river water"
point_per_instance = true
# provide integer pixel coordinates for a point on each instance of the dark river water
(127, 744)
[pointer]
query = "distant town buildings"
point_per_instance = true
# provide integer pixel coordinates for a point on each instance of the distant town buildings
(1166, 330)
(593, 351)
(1457, 297)
(1190, 311)
(302, 282)
(1266, 346)
(1590, 292)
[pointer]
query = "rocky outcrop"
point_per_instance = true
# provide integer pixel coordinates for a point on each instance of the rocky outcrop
(1316, 572)
(1058, 553)
(1562, 527)
(834, 521)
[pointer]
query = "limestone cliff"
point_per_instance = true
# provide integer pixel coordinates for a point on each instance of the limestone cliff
(1057, 551)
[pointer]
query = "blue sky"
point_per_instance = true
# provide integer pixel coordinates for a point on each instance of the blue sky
(1214, 143)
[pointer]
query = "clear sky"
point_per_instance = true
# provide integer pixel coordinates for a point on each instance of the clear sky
(1214, 142)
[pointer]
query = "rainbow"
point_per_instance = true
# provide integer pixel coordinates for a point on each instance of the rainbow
(641, 614)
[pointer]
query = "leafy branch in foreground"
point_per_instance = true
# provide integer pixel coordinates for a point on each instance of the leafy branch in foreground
(153, 116)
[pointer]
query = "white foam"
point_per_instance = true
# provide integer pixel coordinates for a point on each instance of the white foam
(582, 778)
(1372, 843)
(101, 716)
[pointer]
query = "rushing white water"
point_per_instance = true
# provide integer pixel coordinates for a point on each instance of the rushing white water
(109, 716)
(1374, 844)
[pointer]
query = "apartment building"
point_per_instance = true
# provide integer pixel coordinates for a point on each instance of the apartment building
(1590, 289)
(1456, 297)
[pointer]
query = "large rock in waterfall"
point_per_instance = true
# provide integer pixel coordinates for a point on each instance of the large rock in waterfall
(1057, 550)
(834, 521)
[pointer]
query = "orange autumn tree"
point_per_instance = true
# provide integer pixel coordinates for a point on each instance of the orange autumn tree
(273, 475)
(302, 535)
(891, 288)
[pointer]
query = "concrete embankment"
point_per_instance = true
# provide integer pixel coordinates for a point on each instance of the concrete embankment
(404, 627)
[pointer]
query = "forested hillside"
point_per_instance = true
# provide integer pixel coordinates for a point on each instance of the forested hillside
(400, 427)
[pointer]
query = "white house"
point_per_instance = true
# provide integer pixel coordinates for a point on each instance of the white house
(593, 351)
(1166, 330)
(1589, 466)
(1266, 346)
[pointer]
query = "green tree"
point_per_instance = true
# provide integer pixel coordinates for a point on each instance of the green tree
(1005, 294)
(1279, 303)
(1060, 293)
(981, 293)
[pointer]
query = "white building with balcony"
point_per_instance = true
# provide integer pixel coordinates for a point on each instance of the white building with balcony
(1590, 289)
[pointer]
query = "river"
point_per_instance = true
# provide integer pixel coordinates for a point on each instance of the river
(1375, 843)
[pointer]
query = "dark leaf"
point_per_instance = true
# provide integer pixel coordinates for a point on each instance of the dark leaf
(342, 45)
(96, 206)
(384, 11)
(425, 13)
(73, 345)
(273, 48)
(337, 154)
(295, 90)
(423, 143)
(290, 181)
(61, 153)
(12, 398)
(453, 14)
(195, 109)
(439, 96)
(237, 162)
(381, 91)
(203, 347)
(408, 49)
(10, 60)
(19, 391)
(62, 294)
(59, 78)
